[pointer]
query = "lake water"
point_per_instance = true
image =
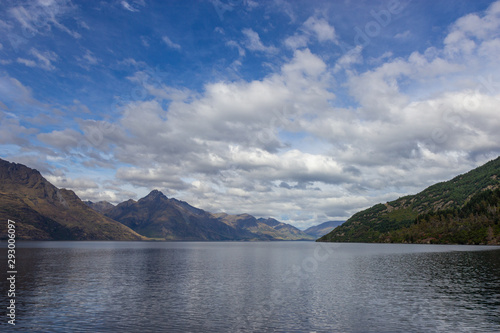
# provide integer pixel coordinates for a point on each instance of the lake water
(253, 287)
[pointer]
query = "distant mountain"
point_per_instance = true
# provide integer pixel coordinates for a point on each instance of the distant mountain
(100, 206)
(464, 210)
(159, 217)
(323, 228)
(44, 212)
(263, 229)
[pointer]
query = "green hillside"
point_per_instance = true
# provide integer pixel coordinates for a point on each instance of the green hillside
(447, 212)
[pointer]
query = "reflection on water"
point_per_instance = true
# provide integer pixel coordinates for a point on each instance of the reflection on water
(246, 287)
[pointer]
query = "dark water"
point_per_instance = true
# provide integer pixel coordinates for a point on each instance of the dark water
(253, 287)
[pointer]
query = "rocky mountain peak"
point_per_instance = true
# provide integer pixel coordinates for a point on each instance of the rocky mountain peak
(154, 194)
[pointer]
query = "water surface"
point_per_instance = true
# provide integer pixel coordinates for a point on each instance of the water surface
(253, 287)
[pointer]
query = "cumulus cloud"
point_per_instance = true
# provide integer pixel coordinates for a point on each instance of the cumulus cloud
(313, 27)
(320, 28)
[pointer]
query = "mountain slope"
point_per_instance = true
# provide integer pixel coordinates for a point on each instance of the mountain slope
(323, 228)
(44, 212)
(381, 222)
(159, 217)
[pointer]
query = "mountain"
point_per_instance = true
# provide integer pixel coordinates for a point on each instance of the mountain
(323, 228)
(100, 206)
(159, 217)
(262, 229)
(464, 210)
(44, 212)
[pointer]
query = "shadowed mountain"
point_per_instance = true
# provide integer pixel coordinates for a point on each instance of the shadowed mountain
(159, 217)
(323, 228)
(44, 212)
(464, 210)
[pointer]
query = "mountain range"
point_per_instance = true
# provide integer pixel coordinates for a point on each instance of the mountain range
(463, 210)
(44, 212)
(159, 217)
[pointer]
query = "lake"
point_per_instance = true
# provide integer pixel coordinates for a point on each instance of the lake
(253, 287)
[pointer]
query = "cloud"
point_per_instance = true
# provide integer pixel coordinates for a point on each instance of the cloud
(42, 60)
(62, 140)
(313, 27)
(72, 183)
(12, 90)
(321, 29)
(470, 31)
(145, 41)
(39, 17)
(348, 59)
(296, 41)
(128, 7)
(403, 35)
(26, 62)
(170, 44)
(87, 59)
(253, 42)
(241, 51)
(45, 59)
(12, 132)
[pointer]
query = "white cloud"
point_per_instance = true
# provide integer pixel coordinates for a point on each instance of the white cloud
(297, 41)
(241, 51)
(71, 183)
(170, 44)
(87, 59)
(26, 62)
(313, 27)
(321, 29)
(403, 35)
(13, 90)
(128, 7)
(43, 59)
(348, 59)
(470, 31)
(39, 17)
(253, 42)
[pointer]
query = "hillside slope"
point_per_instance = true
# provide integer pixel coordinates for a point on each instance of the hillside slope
(395, 221)
(44, 212)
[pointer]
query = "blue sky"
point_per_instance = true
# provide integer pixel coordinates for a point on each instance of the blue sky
(304, 111)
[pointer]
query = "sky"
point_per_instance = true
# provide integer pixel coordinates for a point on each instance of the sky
(304, 111)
